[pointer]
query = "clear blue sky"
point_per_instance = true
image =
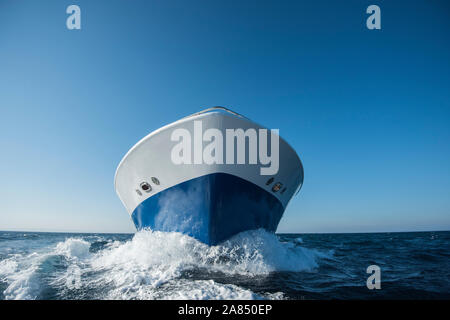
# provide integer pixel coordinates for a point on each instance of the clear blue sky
(367, 111)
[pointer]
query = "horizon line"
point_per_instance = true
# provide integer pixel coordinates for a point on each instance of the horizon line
(277, 233)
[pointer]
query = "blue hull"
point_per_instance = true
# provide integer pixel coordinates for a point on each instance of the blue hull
(210, 208)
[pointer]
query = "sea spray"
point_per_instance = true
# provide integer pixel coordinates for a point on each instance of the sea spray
(154, 265)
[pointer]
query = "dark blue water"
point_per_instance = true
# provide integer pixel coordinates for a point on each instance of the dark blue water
(252, 265)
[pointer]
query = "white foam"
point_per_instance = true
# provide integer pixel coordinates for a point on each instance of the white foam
(153, 259)
(73, 248)
(184, 289)
(21, 271)
(259, 252)
(7, 267)
(153, 265)
(21, 278)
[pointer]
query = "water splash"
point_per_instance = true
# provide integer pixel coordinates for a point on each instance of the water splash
(154, 265)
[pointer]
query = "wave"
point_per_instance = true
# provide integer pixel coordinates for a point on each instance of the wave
(153, 265)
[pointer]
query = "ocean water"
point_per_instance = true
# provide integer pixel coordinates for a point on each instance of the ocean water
(252, 265)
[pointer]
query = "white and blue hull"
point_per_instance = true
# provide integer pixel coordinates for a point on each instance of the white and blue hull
(210, 202)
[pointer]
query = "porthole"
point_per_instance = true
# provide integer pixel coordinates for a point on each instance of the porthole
(282, 191)
(277, 187)
(155, 181)
(146, 187)
(269, 181)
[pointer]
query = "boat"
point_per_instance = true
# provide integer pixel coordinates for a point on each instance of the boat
(210, 175)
